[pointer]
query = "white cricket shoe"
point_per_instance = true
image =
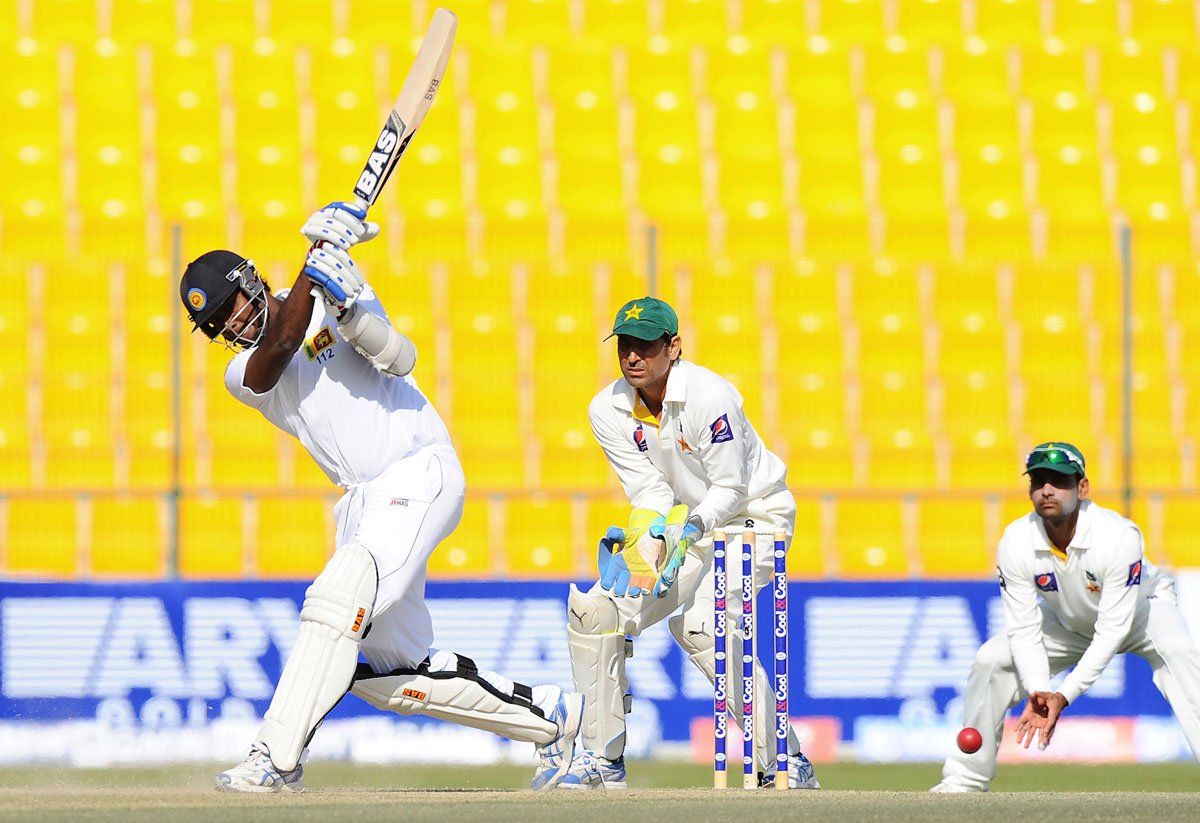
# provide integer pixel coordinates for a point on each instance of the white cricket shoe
(954, 788)
(590, 771)
(559, 752)
(258, 774)
(800, 774)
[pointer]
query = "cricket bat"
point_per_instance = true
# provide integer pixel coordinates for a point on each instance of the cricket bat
(420, 87)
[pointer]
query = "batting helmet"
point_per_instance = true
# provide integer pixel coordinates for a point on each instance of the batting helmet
(209, 284)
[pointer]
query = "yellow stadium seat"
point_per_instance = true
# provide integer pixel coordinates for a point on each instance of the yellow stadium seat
(1069, 185)
(373, 23)
(578, 68)
(852, 21)
(892, 401)
(537, 21)
(538, 537)
(1007, 22)
(571, 461)
(1130, 67)
(250, 461)
(348, 114)
(1164, 22)
(432, 187)
(751, 190)
(307, 22)
(1149, 187)
(953, 541)
(670, 186)
(1067, 122)
(695, 21)
(989, 183)
(509, 181)
(224, 21)
(739, 67)
(1051, 70)
(144, 21)
(434, 239)
(65, 21)
(617, 21)
(975, 72)
(985, 460)
(973, 405)
(1181, 519)
(773, 21)
(818, 76)
(264, 78)
(910, 182)
(295, 537)
(869, 540)
(832, 187)
(1141, 119)
(901, 459)
(603, 511)
(1058, 403)
(1085, 22)
(211, 538)
(931, 21)
(748, 113)
(985, 129)
(42, 537)
(894, 70)
(499, 72)
(589, 183)
(806, 555)
(466, 552)
(903, 120)
(128, 537)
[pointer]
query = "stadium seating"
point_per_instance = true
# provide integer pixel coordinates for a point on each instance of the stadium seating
(895, 226)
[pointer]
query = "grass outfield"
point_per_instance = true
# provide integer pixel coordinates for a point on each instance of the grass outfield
(667, 792)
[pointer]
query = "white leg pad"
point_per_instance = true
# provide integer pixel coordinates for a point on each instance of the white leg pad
(598, 653)
(336, 613)
(693, 632)
(450, 687)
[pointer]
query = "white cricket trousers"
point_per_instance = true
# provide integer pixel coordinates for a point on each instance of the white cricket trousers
(1158, 634)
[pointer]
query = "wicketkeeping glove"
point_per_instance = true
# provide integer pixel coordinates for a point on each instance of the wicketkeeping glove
(335, 276)
(628, 558)
(679, 532)
(340, 224)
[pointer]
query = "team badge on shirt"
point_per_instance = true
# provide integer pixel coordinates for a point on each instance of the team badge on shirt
(722, 432)
(639, 438)
(318, 343)
(1135, 574)
(1092, 583)
(1046, 582)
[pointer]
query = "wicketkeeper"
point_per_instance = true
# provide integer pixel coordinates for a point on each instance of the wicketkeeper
(690, 462)
(1077, 589)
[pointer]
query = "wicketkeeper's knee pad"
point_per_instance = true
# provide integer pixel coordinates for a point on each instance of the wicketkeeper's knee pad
(693, 632)
(598, 652)
(336, 614)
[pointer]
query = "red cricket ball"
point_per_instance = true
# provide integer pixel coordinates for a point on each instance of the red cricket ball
(969, 740)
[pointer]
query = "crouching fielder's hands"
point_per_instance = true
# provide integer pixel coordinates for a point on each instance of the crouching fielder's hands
(335, 277)
(340, 224)
(678, 533)
(629, 558)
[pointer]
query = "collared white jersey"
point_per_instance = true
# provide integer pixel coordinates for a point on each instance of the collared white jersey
(703, 451)
(1095, 592)
(354, 420)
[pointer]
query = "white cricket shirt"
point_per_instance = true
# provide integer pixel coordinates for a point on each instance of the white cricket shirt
(703, 452)
(1095, 590)
(354, 420)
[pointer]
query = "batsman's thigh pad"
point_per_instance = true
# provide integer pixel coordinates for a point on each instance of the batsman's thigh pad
(598, 653)
(450, 687)
(336, 614)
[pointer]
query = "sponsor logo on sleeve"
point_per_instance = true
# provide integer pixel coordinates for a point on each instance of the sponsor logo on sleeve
(722, 432)
(1046, 582)
(1135, 574)
(639, 438)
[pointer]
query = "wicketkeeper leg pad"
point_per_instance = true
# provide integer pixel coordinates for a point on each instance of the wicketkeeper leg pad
(598, 651)
(450, 687)
(693, 632)
(336, 613)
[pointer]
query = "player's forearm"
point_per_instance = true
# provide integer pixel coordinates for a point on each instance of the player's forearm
(282, 338)
(376, 340)
(719, 506)
(1032, 664)
(1089, 668)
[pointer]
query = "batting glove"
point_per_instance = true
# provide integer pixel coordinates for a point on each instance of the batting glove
(334, 275)
(340, 224)
(679, 532)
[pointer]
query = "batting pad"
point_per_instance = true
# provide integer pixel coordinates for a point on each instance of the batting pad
(598, 653)
(336, 613)
(451, 687)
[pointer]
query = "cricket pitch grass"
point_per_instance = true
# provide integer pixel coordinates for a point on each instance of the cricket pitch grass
(659, 792)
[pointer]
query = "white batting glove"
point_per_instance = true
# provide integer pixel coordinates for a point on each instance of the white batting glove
(340, 224)
(335, 277)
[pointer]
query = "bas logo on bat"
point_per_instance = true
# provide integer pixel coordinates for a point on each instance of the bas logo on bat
(377, 164)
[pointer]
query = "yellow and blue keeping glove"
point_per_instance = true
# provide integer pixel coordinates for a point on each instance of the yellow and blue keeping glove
(678, 533)
(625, 570)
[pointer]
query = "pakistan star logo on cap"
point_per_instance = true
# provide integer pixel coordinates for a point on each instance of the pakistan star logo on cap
(634, 313)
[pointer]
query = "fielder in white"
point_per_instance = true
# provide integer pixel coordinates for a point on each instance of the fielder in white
(333, 373)
(1077, 590)
(690, 462)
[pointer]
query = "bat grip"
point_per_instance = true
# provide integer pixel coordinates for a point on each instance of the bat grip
(362, 204)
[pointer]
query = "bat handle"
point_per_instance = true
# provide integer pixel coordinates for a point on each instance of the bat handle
(362, 204)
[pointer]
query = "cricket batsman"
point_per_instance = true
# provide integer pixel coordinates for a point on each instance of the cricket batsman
(690, 462)
(1077, 589)
(323, 363)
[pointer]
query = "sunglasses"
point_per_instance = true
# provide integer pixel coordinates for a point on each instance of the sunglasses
(1053, 455)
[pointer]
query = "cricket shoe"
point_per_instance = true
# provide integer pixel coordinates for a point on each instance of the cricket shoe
(588, 771)
(258, 774)
(800, 774)
(558, 753)
(954, 788)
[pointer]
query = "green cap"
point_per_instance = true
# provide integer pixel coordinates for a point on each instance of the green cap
(646, 318)
(1057, 457)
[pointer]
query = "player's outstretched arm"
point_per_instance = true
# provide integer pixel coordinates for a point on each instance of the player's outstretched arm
(375, 339)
